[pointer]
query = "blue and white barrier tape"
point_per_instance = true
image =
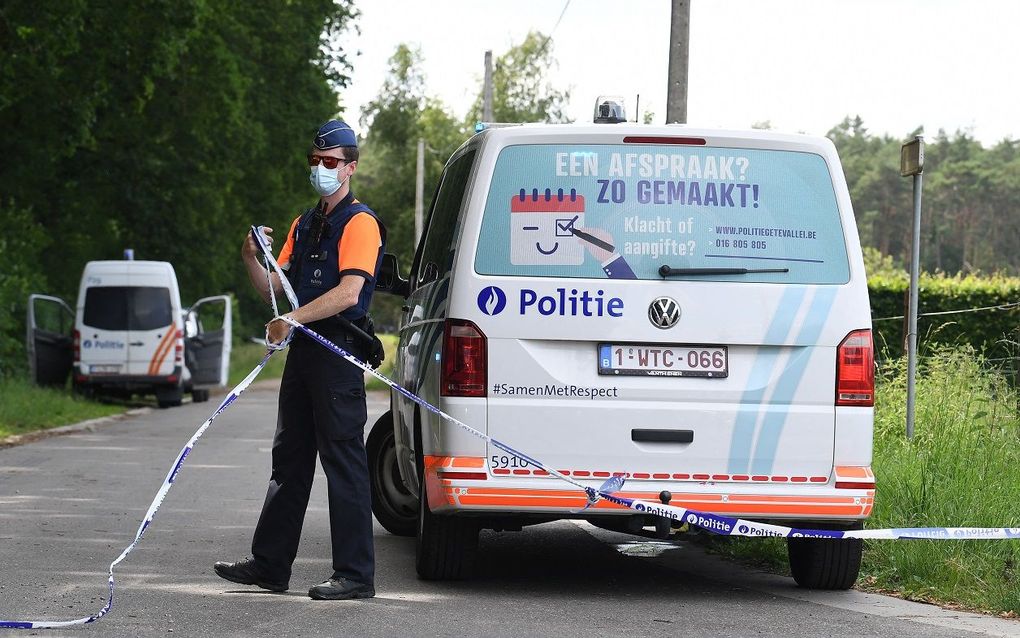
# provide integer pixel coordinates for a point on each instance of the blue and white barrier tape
(714, 523)
(168, 482)
(722, 525)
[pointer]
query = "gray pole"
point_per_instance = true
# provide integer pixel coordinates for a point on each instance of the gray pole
(679, 38)
(915, 267)
(487, 90)
(419, 192)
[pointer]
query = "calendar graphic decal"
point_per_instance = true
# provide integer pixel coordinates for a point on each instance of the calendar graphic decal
(541, 227)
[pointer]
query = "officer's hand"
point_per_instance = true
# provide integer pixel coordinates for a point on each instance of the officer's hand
(276, 331)
(250, 249)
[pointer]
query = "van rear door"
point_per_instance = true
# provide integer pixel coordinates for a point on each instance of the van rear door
(207, 351)
(669, 311)
(48, 340)
(128, 330)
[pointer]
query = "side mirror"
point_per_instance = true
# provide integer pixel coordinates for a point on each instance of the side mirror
(191, 325)
(389, 279)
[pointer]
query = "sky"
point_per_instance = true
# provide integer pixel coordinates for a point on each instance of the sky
(800, 65)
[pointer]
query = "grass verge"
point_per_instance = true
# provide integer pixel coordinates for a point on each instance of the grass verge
(962, 469)
(25, 407)
(386, 369)
(245, 356)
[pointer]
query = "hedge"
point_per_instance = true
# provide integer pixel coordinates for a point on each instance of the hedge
(994, 331)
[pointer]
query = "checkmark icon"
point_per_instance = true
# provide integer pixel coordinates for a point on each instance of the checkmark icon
(565, 227)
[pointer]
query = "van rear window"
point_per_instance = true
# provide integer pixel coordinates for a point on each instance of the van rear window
(625, 211)
(128, 308)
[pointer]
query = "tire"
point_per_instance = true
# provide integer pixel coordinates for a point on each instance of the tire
(169, 397)
(394, 506)
(825, 563)
(446, 546)
(199, 395)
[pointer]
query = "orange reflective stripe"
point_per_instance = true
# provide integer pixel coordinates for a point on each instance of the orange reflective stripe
(854, 472)
(166, 350)
(734, 504)
(467, 461)
(161, 351)
(438, 462)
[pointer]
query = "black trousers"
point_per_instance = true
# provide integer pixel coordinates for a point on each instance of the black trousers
(322, 409)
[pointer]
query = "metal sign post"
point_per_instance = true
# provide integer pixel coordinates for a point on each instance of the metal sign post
(912, 164)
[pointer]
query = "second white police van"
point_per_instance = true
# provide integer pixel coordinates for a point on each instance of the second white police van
(684, 307)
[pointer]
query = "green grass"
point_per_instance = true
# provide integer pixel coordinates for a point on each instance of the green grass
(246, 355)
(386, 369)
(25, 407)
(961, 469)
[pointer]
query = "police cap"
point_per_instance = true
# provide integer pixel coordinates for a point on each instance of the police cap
(334, 134)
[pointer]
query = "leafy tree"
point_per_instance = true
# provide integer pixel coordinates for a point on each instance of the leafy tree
(521, 89)
(167, 127)
(394, 122)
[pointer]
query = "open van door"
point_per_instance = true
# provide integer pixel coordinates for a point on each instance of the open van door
(48, 339)
(207, 345)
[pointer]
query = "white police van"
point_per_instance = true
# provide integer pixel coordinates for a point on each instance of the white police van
(131, 335)
(685, 307)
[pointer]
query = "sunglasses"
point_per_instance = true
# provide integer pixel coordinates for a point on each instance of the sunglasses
(327, 161)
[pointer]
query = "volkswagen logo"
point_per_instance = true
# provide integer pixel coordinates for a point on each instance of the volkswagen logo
(664, 312)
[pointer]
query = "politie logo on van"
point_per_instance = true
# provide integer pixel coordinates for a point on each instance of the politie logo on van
(492, 300)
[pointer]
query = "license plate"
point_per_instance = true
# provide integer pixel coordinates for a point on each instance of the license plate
(104, 369)
(660, 360)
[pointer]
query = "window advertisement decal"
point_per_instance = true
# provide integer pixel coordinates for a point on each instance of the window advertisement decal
(625, 211)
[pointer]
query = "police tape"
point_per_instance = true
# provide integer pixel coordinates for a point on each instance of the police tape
(714, 523)
(168, 482)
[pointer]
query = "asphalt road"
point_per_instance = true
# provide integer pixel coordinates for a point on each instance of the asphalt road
(69, 504)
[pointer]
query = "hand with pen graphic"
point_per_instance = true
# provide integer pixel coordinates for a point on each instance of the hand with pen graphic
(600, 244)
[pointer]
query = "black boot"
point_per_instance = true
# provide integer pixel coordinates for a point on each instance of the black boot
(247, 572)
(340, 588)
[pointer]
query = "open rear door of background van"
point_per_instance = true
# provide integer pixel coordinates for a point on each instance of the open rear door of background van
(207, 349)
(48, 339)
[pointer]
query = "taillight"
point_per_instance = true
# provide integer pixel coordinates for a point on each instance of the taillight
(855, 370)
(465, 476)
(179, 348)
(464, 360)
(645, 139)
(76, 346)
(849, 485)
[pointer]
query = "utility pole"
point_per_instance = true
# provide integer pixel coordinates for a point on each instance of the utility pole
(679, 39)
(487, 91)
(419, 192)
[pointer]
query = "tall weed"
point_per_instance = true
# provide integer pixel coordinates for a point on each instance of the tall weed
(961, 469)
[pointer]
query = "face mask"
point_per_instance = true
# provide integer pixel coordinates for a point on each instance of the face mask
(325, 181)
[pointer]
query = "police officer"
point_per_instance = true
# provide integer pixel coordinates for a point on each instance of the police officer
(331, 257)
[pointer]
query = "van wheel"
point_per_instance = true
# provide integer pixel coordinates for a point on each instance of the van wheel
(447, 545)
(200, 395)
(394, 506)
(169, 397)
(825, 563)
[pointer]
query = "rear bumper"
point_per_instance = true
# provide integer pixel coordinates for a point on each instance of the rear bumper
(550, 496)
(128, 381)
